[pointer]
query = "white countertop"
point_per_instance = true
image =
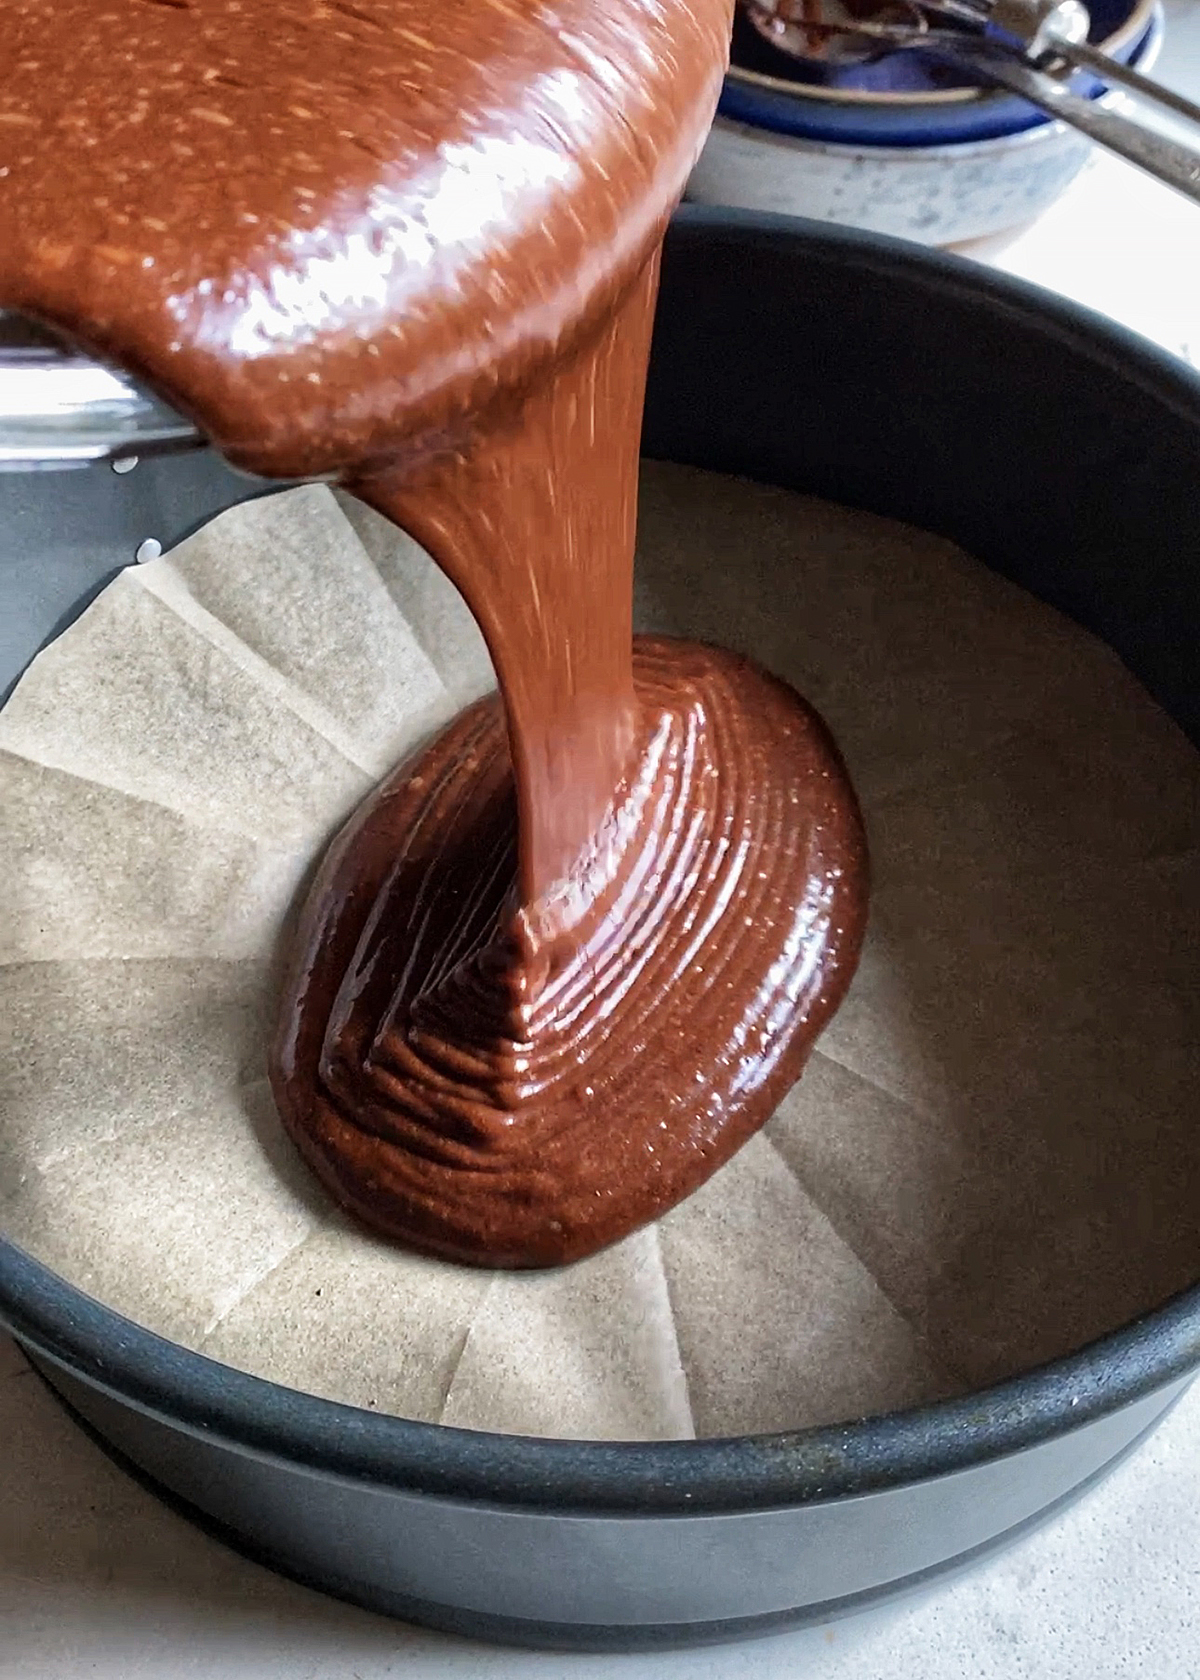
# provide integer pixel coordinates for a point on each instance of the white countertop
(97, 1580)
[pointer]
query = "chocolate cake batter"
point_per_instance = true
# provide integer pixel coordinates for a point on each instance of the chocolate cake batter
(564, 962)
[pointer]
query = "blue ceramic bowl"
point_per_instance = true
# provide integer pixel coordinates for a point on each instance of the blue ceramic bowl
(907, 98)
(942, 194)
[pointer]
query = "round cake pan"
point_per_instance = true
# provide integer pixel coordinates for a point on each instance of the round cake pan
(1062, 452)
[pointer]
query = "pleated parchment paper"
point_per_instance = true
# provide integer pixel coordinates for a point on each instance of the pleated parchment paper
(993, 1157)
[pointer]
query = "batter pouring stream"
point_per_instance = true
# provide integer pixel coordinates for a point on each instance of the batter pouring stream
(564, 962)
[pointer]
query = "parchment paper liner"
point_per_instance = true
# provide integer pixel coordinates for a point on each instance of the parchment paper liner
(992, 1158)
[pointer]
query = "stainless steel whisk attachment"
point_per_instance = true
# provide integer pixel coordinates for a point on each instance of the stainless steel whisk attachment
(1027, 46)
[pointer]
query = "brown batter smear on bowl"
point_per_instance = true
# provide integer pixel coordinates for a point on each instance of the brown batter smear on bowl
(563, 963)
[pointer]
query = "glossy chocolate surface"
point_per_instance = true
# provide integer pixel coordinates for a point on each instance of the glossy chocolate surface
(523, 1083)
(329, 229)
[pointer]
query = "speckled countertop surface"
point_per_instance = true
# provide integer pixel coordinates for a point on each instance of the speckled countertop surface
(98, 1581)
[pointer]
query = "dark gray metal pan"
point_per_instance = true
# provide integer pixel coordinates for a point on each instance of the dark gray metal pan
(1064, 453)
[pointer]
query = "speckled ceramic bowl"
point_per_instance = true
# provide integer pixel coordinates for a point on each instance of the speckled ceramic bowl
(935, 167)
(905, 98)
